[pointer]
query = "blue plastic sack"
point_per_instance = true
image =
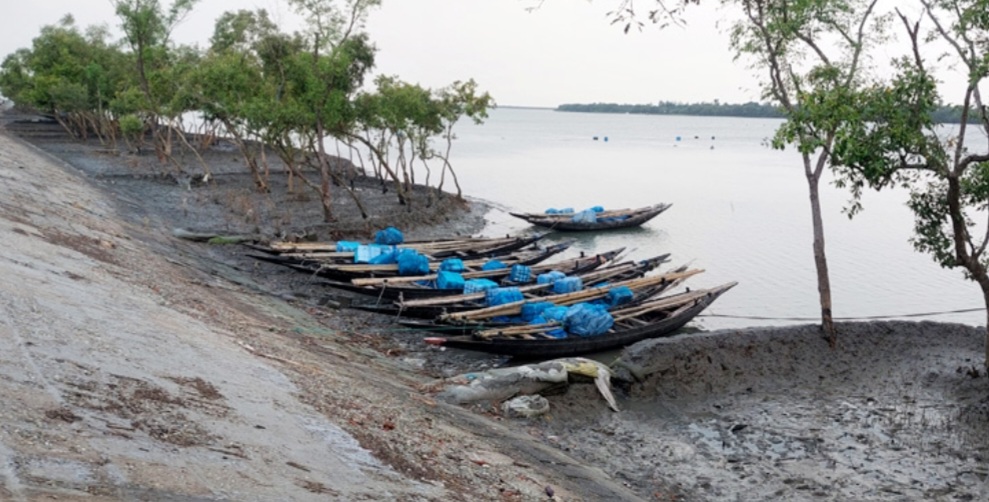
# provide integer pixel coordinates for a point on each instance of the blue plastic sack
(347, 246)
(584, 319)
(385, 258)
(597, 209)
(550, 277)
(501, 296)
(390, 235)
(530, 311)
(566, 210)
(410, 262)
(366, 252)
(494, 265)
(557, 333)
(449, 280)
(452, 265)
(555, 313)
(620, 296)
(520, 273)
(478, 285)
(568, 285)
(585, 216)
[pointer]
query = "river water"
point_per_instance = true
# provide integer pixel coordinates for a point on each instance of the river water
(740, 212)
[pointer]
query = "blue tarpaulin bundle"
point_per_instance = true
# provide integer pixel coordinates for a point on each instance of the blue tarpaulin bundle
(366, 252)
(347, 246)
(566, 210)
(585, 319)
(410, 262)
(550, 277)
(555, 313)
(530, 311)
(452, 265)
(585, 216)
(597, 209)
(501, 296)
(557, 333)
(449, 280)
(620, 296)
(385, 258)
(390, 235)
(520, 273)
(568, 285)
(478, 285)
(493, 265)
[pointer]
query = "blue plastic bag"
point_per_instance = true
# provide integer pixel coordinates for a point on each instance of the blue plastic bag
(530, 311)
(550, 277)
(597, 209)
(568, 285)
(501, 296)
(520, 274)
(367, 252)
(478, 285)
(390, 235)
(555, 313)
(493, 265)
(452, 265)
(584, 319)
(347, 246)
(410, 262)
(619, 296)
(385, 258)
(449, 280)
(566, 210)
(585, 216)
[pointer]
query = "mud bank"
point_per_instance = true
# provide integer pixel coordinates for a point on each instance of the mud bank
(899, 411)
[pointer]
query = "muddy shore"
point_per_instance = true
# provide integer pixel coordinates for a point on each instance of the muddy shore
(148, 367)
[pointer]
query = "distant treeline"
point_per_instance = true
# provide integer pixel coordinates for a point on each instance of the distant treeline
(944, 114)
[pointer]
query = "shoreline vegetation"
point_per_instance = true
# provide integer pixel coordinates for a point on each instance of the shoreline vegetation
(942, 115)
(300, 100)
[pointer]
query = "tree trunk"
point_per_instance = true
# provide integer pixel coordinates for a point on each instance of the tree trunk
(820, 258)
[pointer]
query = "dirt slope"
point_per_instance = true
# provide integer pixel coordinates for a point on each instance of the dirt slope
(127, 371)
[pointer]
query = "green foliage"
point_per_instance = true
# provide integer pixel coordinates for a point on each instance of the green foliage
(255, 83)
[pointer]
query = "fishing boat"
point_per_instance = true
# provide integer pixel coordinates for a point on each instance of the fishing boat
(659, 317)
(617, 275)
(425, 286)
(466, 319)
(594, 219)
(462, 247)
(350, 271)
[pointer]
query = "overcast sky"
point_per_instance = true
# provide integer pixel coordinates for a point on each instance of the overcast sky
(564, 52)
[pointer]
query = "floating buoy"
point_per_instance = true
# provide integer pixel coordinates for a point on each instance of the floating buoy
(678, 138)
(595, 138)
(605, 139)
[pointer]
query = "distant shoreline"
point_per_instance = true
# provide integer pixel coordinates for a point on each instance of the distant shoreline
(943, 115)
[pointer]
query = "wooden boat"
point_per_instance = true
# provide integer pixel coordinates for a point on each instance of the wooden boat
(350, 271)
(468, 318)
(466, 247)
(656, 318)
(606, 220)
(418, 287)
(434, 308)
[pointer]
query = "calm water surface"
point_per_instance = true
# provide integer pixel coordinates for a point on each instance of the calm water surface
(740, 211)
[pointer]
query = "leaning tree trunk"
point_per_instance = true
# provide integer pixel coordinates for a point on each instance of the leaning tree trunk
(820, 258)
